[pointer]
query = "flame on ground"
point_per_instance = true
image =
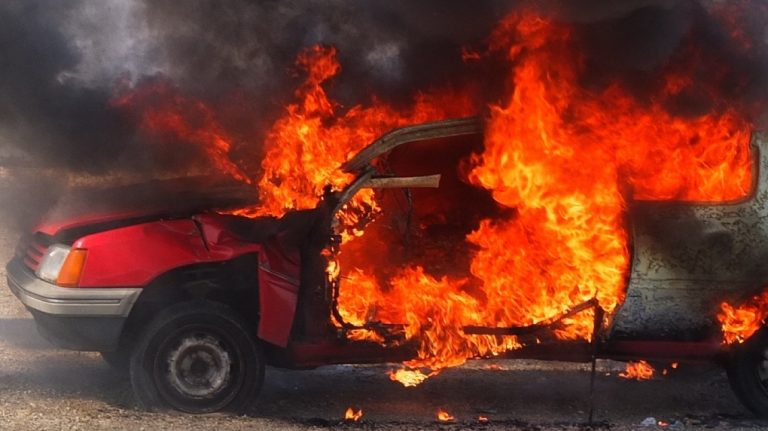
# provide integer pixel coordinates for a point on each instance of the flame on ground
(444, 416)
(353, 415)
(640, 370)
(673, 366)
(408, 378)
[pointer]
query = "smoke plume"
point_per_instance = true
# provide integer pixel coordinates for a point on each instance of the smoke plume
(63, 61)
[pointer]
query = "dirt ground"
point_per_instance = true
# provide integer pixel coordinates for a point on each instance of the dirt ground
(43, 388)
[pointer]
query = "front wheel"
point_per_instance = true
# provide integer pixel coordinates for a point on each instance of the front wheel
(748, 373)
(197, 357)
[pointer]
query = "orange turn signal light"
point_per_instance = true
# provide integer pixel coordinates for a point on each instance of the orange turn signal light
(69, 276)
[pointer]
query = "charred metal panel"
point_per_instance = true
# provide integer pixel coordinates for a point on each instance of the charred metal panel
(689, 257)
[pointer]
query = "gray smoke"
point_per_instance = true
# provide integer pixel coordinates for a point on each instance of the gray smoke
(62, 60)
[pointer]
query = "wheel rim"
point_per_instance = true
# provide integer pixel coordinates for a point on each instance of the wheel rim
(198, 369)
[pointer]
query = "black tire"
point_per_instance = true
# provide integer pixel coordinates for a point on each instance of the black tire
(748, 373)
(197, 357)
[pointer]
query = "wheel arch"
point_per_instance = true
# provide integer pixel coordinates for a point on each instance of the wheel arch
(233, 283)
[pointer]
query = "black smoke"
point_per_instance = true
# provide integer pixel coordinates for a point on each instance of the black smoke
(40, 115)
(62, 61)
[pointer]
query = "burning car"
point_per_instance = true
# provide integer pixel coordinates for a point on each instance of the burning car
(195, 300)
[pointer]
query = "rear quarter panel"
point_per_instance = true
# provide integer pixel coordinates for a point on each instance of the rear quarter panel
(689, 257)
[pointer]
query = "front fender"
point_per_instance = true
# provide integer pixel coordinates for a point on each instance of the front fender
(133, 256)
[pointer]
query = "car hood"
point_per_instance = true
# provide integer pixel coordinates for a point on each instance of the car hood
(89, 210)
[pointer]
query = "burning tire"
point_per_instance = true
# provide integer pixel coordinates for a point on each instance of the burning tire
(197, 357)
(748, 373)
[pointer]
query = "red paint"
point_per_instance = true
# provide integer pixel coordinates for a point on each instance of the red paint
(279, 272)
(222, 244)
(134, 256)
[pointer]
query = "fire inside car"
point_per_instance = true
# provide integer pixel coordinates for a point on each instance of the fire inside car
(573, 215)
(542, 198)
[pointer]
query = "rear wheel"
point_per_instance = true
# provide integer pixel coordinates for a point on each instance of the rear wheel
(197, 357)
(748, 373)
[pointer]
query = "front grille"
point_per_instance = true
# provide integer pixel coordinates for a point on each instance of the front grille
(32, 248)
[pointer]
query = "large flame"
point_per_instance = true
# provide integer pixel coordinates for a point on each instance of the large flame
(561, 156)
(559, 160)
(305, 147)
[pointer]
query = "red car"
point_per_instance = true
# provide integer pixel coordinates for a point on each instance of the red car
(196, 302)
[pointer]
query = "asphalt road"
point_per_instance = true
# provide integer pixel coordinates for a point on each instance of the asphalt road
(44, 388)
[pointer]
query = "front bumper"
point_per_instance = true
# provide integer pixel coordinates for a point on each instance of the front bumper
(73, 318)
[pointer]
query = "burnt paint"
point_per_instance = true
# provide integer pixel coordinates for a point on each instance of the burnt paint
(689, 257)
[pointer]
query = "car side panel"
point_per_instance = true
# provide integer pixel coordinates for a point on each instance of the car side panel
(689, 257)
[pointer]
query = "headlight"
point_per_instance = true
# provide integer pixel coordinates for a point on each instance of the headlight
(52, 262)
(62, 265)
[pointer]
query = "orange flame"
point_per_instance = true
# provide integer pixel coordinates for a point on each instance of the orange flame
(559, 160)
(305, 147)
(444, 416)
(555, 152)
(673, 366)
(408, 378)
(740, 323)
(638, 370)
(559, 155)
(163, 111)
(353, 415)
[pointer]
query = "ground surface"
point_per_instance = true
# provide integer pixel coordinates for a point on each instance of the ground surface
(49, 389)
